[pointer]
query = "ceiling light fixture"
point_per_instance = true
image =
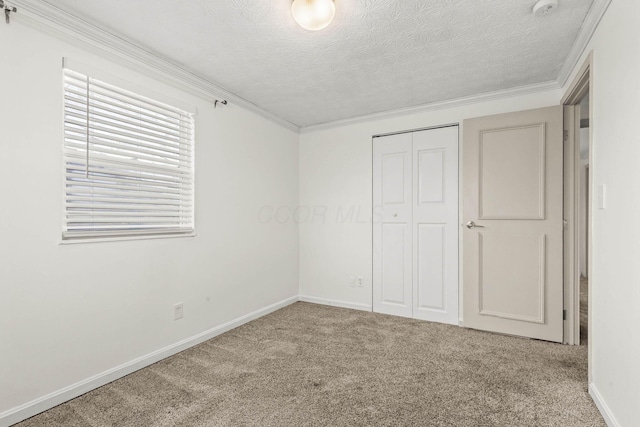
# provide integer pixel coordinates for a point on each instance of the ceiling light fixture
(313, 15)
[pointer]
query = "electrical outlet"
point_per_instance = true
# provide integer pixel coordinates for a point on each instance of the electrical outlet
(360, 282)
(178, 311)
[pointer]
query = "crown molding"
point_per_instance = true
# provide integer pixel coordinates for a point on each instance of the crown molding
(588, 28)
(441, 105)
(49, 18)
(55, 21)
(593, 18)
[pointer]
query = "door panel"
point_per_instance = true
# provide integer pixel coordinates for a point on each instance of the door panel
(430, 257)
(512, 190)
(394, 260)
(393, 182)
(392, 226)
(435, 225)
(512, 168)
(519, 261)
(430, 178)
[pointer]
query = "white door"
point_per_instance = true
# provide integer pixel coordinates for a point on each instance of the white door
(392, 240)
(415, 230)
(435, 225)
(513, 225)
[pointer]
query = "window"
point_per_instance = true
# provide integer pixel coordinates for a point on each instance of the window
(128, 163)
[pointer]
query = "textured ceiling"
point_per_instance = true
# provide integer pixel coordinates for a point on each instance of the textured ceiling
(377, 55)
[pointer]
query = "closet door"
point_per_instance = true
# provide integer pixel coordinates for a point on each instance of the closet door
(435, 225)
(392, 223)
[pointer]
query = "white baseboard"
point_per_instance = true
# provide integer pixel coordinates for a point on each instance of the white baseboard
(43, 403)
(51, 400)
(606, 413)
(334, 303)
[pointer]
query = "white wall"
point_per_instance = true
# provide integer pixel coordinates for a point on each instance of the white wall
(615, 276)
(69, 312)
(336, 177)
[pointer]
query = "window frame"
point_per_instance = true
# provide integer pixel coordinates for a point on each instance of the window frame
(179, 223)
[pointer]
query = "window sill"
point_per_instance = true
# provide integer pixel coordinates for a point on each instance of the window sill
(80, 240)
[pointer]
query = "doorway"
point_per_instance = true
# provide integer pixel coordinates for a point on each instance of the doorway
(583, 216)
(578, 124)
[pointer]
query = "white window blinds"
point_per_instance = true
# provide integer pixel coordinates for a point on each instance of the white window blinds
(128, 163)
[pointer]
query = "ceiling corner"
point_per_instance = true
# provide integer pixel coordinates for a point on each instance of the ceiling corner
(593, 18)
(46, 17)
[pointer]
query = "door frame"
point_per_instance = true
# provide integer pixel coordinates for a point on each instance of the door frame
(580, 86)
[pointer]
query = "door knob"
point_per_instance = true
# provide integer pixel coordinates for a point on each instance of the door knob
(472, 224)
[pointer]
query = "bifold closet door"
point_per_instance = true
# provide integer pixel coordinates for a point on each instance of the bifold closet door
(435, 225)
(415, 227)
(392, 223)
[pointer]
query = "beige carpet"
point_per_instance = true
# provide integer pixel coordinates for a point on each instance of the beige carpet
(310, 365)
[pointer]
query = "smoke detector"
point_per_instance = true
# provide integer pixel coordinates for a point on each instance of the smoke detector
(545, 7)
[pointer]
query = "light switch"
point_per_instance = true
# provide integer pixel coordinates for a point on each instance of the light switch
(602, 196)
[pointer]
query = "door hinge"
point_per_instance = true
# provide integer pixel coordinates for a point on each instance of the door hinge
(566, 135)
(564, 314)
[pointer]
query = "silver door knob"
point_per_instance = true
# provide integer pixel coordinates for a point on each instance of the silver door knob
(472, 224)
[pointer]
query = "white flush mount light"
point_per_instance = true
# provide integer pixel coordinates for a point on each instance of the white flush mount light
(545, 7)
(313, 15)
